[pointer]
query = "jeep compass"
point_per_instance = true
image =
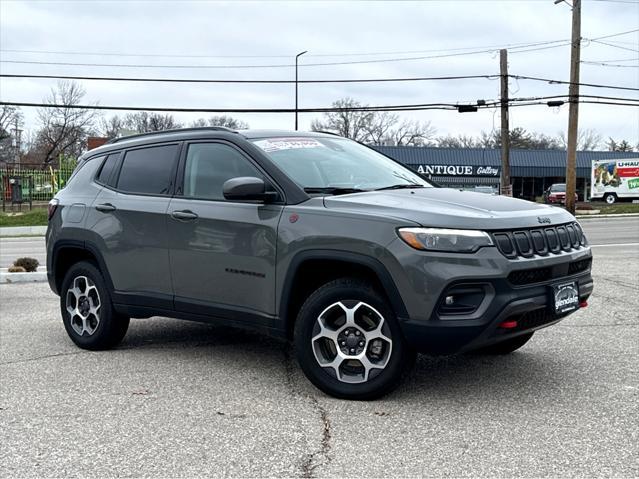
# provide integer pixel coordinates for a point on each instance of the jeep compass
(310, 237)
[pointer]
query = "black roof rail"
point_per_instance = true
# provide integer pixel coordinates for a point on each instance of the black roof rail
(176, 130)
(329, 133)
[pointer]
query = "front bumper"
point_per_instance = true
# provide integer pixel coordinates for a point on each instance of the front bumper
(430, 276)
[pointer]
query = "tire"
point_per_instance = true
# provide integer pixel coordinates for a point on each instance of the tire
(87, 311)
(610, 198)
(361, 325)
(505, 347)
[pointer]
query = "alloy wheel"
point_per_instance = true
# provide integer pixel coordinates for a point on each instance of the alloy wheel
(83, 305)
(351, 341)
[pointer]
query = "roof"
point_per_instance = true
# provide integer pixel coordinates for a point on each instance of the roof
(537, 163)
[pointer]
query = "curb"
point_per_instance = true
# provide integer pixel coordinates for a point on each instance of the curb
(619, 215)
(6, 231)
(10, 278)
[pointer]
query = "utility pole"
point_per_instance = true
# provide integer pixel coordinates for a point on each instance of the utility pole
(573, 111)
(17, 133)
(506, 187)
(296, 59)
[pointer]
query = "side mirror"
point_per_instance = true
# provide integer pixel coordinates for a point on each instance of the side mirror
(247, 188)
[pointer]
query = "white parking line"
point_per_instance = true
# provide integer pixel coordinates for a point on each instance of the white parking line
(613, 244)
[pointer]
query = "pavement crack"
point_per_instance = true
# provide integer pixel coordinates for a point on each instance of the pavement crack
(39, 358)
(322, 455)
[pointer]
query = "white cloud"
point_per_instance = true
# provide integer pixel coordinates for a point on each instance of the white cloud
(285, 28)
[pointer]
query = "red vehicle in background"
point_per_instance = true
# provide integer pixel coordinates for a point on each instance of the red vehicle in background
(557, 194)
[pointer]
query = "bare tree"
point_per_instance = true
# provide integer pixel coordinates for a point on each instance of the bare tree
(144, 122)
(111, 127)
(411, 133)
(347, 123)
(63, 127)
(377, 128)
(221, 120)
(623, 145)
(8, 117)
(459, 141)
(587, 140)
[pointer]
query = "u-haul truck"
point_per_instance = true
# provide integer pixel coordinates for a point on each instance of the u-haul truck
(615, 180)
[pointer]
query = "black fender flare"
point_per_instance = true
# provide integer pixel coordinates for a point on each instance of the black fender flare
(370, 262)
(82, 245)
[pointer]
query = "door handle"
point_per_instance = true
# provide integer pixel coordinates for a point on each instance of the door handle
(184, 215)
(105, 207)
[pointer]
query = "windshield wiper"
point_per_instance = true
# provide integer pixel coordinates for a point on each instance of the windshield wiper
(401, 187)
(332, 190)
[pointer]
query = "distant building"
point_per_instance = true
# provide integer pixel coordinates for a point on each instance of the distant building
(531, 171)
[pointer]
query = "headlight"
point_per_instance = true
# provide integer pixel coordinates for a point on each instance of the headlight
(439, 239)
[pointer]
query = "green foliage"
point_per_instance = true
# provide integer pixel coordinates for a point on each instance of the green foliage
(29, 264)
(36, 217)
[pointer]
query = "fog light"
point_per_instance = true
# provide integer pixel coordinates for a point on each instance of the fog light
(449, 300)
(508, 324)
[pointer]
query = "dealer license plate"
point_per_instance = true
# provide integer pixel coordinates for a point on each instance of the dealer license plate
(566, 297)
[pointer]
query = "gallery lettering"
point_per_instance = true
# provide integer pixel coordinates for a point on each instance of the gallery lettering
(457, 170)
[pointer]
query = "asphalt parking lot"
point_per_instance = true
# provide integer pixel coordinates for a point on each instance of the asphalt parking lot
(186, 399)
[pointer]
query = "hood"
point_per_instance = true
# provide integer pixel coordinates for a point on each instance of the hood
(450, 208)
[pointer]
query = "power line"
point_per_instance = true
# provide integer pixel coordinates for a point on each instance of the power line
(287, 65)
(616, 46)
(163, 55)
(562, 82)
(405, 107)
(343, 80)
(187, 80)
(606, 64)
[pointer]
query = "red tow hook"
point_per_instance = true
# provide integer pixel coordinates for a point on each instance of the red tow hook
(508, 324)
(583, 304)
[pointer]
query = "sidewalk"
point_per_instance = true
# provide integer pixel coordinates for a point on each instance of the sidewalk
(6, 231)
(36, 277)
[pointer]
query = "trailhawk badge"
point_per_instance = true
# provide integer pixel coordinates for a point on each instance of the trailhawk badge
(566, 297)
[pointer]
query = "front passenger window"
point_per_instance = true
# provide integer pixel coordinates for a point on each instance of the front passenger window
(209, 165)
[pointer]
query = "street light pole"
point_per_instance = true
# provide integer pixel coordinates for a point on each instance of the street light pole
(296, 59)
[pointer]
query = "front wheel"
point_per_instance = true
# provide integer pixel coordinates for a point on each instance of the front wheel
(87, 312)
(349, 343)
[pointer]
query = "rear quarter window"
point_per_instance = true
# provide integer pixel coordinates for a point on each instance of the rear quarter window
(148, 170)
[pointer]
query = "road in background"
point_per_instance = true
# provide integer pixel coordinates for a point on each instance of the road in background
(598, 231)
(185, 399)
(14, 248)
(611, 230)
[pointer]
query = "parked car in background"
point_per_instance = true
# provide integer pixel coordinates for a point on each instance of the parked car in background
(556, 194)
(615, 180)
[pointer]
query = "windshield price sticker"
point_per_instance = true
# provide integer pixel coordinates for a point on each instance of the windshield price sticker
(278, 144)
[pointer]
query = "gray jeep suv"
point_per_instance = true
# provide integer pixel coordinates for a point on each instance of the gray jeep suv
(310, 237)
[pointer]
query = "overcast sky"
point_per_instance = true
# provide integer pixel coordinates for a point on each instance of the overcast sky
(225, 33)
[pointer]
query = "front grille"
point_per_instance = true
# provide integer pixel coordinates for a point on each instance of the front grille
(579, 266)
(527, 243)
(539, 275)
(528, 276)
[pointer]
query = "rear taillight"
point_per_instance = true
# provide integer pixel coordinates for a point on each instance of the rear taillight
(53, 205)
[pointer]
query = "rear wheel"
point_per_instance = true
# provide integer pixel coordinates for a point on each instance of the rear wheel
(348, 341)
(610, 198)
(87, 312)
(505, 347)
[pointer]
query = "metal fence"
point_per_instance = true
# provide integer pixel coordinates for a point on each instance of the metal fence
(24, 185)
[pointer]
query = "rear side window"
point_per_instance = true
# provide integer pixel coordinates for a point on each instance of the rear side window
(107, 168)
(148, 170)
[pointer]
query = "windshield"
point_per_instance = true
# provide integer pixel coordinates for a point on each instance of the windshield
(317, 163)
(561, 188)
